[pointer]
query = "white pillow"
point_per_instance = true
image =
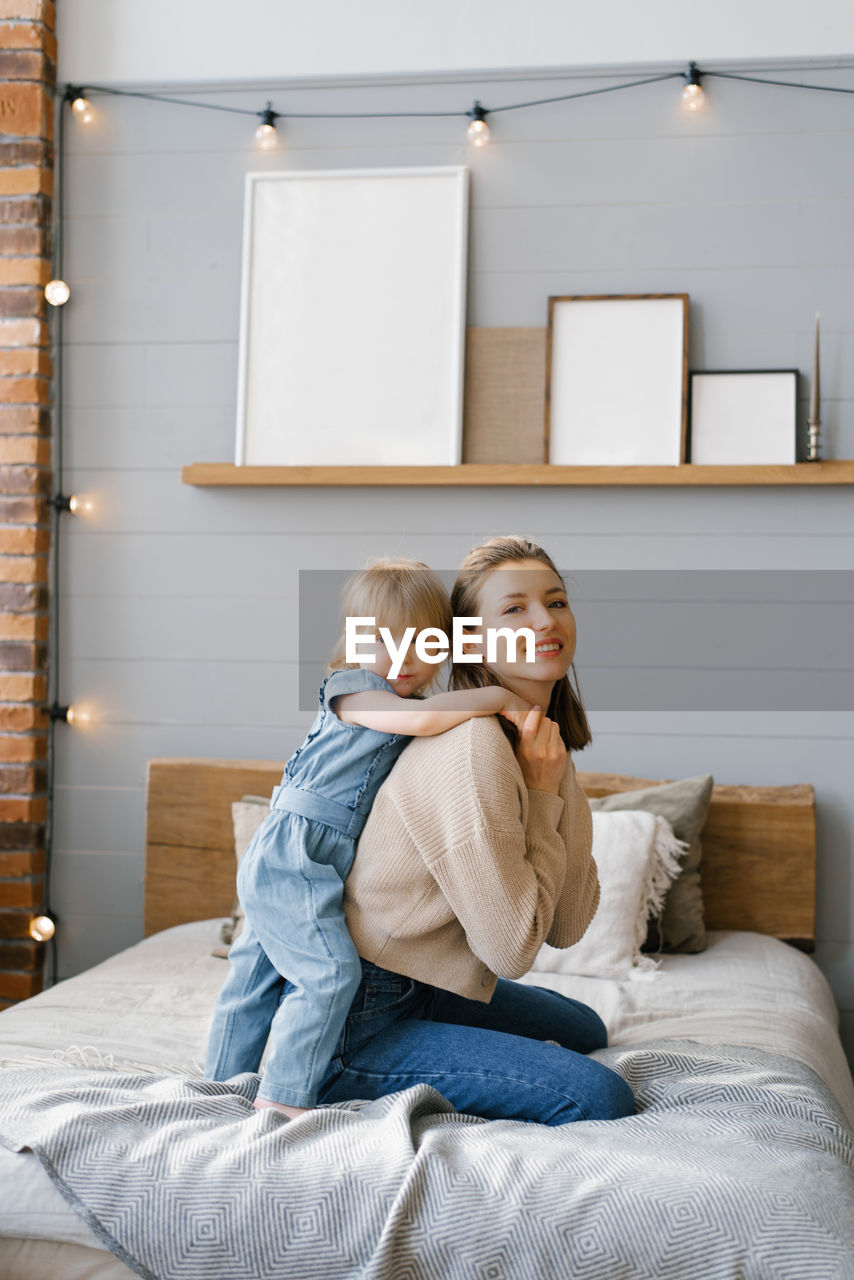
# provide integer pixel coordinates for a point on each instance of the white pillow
(637, 857)
(246, 816)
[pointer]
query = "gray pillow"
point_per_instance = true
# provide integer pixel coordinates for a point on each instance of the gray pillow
(684, 804)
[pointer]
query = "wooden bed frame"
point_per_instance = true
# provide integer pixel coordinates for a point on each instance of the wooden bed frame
(758, 866)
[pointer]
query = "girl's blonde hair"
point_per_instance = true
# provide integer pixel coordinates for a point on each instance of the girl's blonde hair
(398, 594)
(565, 706)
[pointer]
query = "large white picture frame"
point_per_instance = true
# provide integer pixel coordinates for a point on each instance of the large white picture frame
(352, 326)
(617, 380)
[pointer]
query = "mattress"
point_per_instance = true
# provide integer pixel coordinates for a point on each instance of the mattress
(148, 1009)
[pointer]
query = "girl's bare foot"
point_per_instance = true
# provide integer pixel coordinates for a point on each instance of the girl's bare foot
(290, 1112)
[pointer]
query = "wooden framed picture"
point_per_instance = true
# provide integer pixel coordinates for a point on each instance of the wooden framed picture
(744, 416)
(617, 379)
(352, 329)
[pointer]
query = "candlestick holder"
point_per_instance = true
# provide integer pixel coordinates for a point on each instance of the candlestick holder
(814, 420)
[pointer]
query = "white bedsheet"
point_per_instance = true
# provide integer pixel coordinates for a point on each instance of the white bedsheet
(149, 1007)
(743, 989)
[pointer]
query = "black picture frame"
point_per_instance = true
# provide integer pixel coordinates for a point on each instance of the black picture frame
(743, 417)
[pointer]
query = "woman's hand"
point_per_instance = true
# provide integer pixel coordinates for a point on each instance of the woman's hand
(541, 753)
(514, 708)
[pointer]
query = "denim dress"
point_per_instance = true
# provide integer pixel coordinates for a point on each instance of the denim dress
(290, 882)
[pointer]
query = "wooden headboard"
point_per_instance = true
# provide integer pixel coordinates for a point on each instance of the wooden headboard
(758, 865)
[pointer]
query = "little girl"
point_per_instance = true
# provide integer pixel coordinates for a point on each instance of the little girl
(290, 880)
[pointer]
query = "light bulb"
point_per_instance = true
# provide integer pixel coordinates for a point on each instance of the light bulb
(478, 130)
(267, 136)
(79, 504)
(82, 109)
(693, 97)
(42, 928)
(57, 293)
(266, 132)
(478, 133)
(78, 716)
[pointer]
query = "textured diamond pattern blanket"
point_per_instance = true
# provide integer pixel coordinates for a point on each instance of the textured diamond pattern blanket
(737, 1164)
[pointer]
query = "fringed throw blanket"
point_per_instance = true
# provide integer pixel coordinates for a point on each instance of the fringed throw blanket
(738, 1164)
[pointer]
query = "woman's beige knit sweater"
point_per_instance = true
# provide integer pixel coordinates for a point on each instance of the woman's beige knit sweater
(461, 872)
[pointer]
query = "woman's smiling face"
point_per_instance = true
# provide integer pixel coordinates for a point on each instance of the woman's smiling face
(527, 593)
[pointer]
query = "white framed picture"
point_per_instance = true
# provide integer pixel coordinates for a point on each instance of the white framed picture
(744, 416)
(617, 380)
(352, 327)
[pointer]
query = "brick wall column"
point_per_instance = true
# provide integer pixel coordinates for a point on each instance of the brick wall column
(27, 80)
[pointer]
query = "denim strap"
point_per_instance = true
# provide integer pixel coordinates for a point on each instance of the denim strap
(311, 805)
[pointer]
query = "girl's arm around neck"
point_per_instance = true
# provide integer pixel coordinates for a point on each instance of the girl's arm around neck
(417, 718)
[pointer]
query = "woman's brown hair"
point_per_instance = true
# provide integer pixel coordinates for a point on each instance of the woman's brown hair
(565, 706)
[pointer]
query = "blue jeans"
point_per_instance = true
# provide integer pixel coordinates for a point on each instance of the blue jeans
(487, 1059)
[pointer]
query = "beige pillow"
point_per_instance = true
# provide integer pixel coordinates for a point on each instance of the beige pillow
(637, 857)
(684, 804)
(247, 815)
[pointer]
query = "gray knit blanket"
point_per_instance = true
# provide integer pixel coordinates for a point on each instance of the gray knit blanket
(738, 1164)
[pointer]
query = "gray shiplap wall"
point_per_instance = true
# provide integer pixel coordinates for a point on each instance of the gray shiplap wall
(177, 602)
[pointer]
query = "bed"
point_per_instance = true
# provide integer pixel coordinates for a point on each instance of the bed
(117, 1159)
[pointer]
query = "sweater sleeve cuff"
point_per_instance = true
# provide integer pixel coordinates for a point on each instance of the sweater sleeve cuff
(544, 808)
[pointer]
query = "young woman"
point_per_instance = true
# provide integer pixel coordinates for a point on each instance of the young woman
(477, 850)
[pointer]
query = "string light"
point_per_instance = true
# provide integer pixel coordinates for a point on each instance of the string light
(80, 105)
(76, 716)
(693, 97)
(78, 504)
(57, 292)
(42, 928)
(478, 130)
(82, 109)
(266, 132)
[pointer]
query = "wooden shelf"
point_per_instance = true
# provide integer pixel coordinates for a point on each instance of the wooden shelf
(483, 474)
